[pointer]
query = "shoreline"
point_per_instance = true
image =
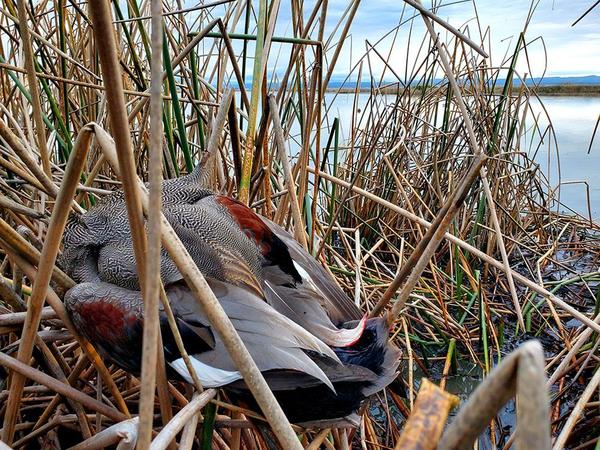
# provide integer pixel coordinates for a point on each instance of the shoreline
(566, 90)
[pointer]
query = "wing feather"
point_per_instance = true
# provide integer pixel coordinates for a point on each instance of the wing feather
(274, 341)
(337, 304)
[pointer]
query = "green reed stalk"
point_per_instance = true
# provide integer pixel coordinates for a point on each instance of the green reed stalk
(177, 111)
(254, 99)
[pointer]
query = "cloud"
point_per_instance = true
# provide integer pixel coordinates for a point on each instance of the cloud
(570, 50)
(563, 50)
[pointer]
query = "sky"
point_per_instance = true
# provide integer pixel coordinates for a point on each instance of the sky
(563, 50)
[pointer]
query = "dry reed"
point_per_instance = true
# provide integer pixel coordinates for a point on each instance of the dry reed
(504, 265)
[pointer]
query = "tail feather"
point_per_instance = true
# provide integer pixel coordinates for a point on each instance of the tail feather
(373, 351)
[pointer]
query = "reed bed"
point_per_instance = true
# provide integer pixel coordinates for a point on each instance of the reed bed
(359, 194)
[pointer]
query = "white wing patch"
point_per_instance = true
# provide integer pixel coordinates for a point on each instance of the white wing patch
(209, 376)
(303, 273)
(305, 276)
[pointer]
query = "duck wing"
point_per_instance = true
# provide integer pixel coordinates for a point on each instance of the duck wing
(294, 283)
(215, 244)
(112, 318)
(305, 306)
(274, 341)
(314, 301)
(339, 307)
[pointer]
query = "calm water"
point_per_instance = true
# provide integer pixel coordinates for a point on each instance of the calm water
(573, 118)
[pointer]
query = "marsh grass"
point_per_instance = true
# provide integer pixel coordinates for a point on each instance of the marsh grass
(364, 194)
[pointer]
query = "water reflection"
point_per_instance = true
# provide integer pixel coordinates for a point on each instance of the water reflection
(573, 119)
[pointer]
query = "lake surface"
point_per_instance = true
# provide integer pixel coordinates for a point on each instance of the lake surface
(573, 119)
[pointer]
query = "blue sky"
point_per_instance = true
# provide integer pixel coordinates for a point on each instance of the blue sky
(565, 50)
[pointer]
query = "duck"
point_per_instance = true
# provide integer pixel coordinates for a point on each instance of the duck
(307, 337)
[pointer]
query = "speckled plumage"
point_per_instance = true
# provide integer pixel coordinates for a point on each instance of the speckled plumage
(301, 329)
(103, 235)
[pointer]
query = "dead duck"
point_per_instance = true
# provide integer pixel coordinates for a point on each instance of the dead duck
(306, 336)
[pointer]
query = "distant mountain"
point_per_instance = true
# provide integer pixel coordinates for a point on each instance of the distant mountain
(338, 82)
(588, 80)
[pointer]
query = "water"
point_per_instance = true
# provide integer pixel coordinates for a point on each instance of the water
(462, 383)
(573, 119)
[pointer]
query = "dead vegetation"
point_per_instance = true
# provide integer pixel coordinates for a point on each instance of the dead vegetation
(360, 195)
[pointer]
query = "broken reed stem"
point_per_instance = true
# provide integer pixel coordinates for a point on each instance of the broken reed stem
(427, 418)
(476, 149)
(152, 285)
(503, 382)
(33, 88)
(168, 433)
(188, 434)
(438, 235)
(63, 389)
(123, 434)
(41, 282)
(595, 326)
(318, 440)
(299, 232)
